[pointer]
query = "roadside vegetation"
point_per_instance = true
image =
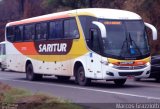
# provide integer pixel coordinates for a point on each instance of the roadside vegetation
(21, 99)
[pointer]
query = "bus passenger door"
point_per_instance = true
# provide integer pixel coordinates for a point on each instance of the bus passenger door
(93, 58)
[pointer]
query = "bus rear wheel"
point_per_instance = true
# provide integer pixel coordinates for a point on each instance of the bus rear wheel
(80, 77)
(120, 82)
(30, 75)
(2, 69)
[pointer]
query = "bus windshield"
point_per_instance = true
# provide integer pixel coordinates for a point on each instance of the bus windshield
(125, 39)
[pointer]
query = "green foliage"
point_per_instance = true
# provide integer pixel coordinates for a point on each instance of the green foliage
(53, 2)
(33, 101)
(11, 95)
(68, 3)
(147, 4)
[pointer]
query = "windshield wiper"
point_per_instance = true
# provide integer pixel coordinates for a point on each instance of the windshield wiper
(131, 40)
(123, 45)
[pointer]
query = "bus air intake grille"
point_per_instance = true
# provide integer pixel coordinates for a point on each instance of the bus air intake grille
(130, 73)
(130, 67)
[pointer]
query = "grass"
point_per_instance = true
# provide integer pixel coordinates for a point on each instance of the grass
(13, 94)
(27, 100)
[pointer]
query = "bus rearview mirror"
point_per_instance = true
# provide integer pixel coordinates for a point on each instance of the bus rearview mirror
(102, 28)
(153, 29)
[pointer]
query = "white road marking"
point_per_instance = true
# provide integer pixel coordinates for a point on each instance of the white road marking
(88, 89)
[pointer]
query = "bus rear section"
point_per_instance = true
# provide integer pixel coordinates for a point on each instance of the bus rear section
(3, 56)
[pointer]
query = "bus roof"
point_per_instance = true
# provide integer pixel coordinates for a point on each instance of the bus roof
(95, 12)
(110, 13)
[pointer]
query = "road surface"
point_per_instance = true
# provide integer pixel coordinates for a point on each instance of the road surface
(100, 92)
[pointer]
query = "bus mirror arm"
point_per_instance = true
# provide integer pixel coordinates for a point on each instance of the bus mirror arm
(102, 28)
(154, 30)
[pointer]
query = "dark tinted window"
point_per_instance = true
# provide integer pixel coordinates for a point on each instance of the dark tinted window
(59, 29)
(29, 32)
(41, 31)
(70, 29)
(19, 33)
(95, 45)
(10, 34)
(66, 28)
(52, 30)
(86, 23)
(2, 49)
(56, 30)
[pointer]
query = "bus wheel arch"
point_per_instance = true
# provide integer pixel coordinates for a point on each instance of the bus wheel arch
(76, 66)
(30, 75)
(79, 73)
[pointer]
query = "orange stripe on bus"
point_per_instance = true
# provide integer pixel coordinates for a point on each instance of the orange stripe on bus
(26, 48)
(39, 19)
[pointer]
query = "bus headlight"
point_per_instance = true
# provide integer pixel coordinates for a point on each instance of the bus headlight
(104, 62)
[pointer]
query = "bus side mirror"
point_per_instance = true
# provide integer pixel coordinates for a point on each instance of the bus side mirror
(154, 30)
(102, 28)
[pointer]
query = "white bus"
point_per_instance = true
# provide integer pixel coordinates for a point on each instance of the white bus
(89, 44)
(2, 56)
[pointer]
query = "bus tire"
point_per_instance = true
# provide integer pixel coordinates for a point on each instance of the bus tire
(2, 69)
(63, 78)
(80, 77)
(30, 75)
(137, 79)
(157, 79)
(120, 82)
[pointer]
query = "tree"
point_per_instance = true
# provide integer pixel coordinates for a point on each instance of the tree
(69, 3)
(21, 6)
(89, 3)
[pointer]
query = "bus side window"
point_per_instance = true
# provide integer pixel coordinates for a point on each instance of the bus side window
(52, 30)
(10, 34)
(44, 30)
(38, 31)
(41, 31)
(19, 33)
(0, 49)
(66, 28)
(3, 49)
(29, 32)
(70, 29)
(95, 45)
(59, 29)
(74, 29)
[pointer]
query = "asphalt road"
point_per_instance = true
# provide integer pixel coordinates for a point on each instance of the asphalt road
(100, 92)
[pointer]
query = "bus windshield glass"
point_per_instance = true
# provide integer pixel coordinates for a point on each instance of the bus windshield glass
(125, 39)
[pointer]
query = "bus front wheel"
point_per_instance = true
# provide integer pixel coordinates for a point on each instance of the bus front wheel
(120, 82)
(30, 75)
(80, 77)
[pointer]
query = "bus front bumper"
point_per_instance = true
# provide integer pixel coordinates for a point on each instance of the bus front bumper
(111, 73)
